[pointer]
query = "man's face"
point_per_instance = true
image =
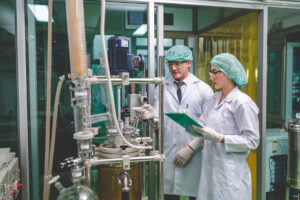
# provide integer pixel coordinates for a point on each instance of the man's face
(179, 69)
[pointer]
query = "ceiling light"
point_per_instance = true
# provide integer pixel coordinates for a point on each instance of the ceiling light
(40, 12)
(141, 30)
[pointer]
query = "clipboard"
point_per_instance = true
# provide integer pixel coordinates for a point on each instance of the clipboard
(186, 122)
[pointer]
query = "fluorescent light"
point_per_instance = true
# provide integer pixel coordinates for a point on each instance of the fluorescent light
(141, 30)
(40, 12)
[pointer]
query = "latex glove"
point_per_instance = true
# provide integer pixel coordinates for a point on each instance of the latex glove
(183, 156)
(146, 111)
(209, 134)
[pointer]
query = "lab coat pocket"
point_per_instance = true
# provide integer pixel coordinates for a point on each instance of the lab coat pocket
(229, 123)
(225, 177)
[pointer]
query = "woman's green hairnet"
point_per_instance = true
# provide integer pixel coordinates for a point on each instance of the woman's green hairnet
(179, 52)
(231, 67)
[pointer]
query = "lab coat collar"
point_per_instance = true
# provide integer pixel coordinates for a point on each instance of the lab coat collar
(189, 81)
(231, 95)
(228, 98)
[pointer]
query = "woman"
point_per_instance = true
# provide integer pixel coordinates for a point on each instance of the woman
(231, 130)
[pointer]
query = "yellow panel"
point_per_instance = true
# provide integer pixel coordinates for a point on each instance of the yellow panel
(239, 37)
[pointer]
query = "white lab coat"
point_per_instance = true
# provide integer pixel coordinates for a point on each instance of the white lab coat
(181, 180)
(225, 174)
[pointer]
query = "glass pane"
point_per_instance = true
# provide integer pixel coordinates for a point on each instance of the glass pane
(217, 30)
(236, 33)
(122, 19)
(283, 95)
(8, 87)
(282, 30)
(296, 82)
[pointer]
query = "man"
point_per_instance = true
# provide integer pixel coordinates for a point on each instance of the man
(183, 92)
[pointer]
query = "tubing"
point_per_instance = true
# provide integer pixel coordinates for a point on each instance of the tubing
(48, 101)
(53, 134)
(109, 80)
(125, 195)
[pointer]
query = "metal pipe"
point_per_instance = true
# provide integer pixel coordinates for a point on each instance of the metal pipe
(88, 175)
(119, 102)
(151, 49)
(95, 161)
(22, 97)
(161, 127)
(143, 171)
(104, 79)
(152, 130)
(262, 102)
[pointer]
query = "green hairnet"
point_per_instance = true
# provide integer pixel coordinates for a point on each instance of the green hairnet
(231, 67)
(179, 52)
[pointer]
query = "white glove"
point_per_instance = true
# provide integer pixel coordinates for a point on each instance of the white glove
(183, 156)
(209, 134)
(146, 111)
(186, 111)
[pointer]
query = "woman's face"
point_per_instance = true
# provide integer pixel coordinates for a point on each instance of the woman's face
(219, 79)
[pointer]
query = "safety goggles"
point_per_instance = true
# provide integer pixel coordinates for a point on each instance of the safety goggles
(213, 73)
(177, 64)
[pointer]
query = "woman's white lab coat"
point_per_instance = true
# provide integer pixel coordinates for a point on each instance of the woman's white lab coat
(181, 180)
(225, 174)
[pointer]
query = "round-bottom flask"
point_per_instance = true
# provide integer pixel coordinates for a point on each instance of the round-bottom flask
(77, 192)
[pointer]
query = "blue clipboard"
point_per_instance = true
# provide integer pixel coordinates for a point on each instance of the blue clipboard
(186, 122)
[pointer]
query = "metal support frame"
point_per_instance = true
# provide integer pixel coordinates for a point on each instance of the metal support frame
(160, 73)
(262, 72)
(116, 81)
(22, 97)
(151, 53)
(262, 101)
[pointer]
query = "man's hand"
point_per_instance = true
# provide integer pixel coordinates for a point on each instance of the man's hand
(183, 156)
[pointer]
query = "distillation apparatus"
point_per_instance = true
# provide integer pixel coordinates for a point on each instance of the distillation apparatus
(122, 159)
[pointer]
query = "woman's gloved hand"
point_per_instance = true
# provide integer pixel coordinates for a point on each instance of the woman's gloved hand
(183, 156)
(146, 111)
(209, 133)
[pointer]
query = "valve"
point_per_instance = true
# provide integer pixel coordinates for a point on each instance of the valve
(68, 162)
(125, 181)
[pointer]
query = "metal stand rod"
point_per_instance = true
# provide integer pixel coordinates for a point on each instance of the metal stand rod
(95, 161)
(88, 172)
(161, 129)
(119, 102)
(115, 81)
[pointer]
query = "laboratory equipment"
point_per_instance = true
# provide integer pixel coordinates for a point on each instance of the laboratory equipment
(292, 79)
(120, 60)
(293, 190)
(77, 191)
(9, 175)
(131, 142)
(276, 162)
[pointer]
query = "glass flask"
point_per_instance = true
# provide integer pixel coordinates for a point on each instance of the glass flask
(77, 192)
